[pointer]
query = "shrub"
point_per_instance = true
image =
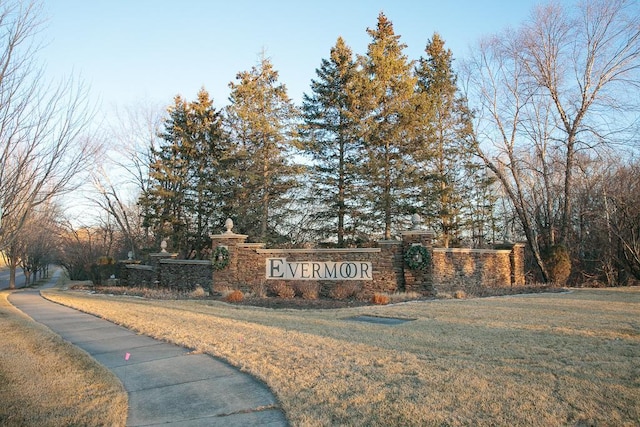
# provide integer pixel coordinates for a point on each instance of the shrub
(198, 292)
(380, 299)
(404, 296)
(282, 290)
(258, 290)
(344, 291)
(307, 290)
(558, 264)
(459, 294)
(234, 296)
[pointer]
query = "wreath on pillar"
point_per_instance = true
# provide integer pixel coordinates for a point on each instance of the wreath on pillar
(417, 257)
(220, 258)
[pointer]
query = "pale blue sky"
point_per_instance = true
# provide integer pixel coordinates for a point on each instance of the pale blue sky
(132, 50)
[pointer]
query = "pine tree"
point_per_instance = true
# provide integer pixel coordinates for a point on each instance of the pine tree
(446, 132)
(164, 200)
(185, 176)
(331, 134)
(205, 145)
(261, 123)
(387, 115)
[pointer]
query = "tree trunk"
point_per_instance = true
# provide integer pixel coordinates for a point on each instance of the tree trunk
(387, 195)
(12, 276)
(341, 196)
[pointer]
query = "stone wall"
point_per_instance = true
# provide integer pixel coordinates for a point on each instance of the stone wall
(254, 259)
(247, 264)
(166, 272)
(184, 275)
(449, 270)
(138, 275)
(466, 269)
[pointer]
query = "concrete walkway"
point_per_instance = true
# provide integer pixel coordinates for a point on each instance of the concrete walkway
(166, 384)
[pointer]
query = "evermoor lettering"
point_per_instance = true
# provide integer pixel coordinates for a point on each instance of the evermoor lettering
(279, 268)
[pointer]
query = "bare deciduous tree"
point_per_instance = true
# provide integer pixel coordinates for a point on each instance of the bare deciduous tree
(134, 134)
(41, 150)
(127, 216)
(620, 195)
(36, 244)
(83, 249)
(562, 83)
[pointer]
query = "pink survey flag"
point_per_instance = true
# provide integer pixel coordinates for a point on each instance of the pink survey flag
(126, 356)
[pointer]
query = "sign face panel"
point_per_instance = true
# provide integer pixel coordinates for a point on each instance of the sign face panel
(279, 268)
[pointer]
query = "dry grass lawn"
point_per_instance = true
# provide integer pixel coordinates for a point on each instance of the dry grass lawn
(533, 360)
(45, 381)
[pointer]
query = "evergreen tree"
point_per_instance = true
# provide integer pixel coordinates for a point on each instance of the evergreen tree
(387, 115)
(163, 202)
(185, 176)
(205, 145)
(331, 135)
(446, 132)
(261, 120)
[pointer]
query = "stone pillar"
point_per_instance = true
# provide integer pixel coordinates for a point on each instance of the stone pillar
(388, 267)
(228, 276)
(516, 258)
(154, 261)
(122, 270)
(420, 281)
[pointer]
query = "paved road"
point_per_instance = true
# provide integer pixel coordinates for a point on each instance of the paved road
(4, 278)
(167, 385)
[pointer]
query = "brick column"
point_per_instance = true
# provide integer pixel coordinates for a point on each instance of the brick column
(516, 258)
(154, 260)
(420, 281)
(122, 271)
(228, 276)
(388, 267)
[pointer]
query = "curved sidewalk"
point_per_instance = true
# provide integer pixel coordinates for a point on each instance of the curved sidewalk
(166, 384)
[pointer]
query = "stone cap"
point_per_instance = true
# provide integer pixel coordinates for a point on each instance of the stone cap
(417, 233)
(319, 251)
(228, 236)
(138, 267)
(472, 250)
(252, 245)
(389, 242)
(186, 261)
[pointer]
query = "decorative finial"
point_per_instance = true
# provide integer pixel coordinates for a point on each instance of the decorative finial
(228, 225)
(130, 255)
(416, 220)
(163, 246)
